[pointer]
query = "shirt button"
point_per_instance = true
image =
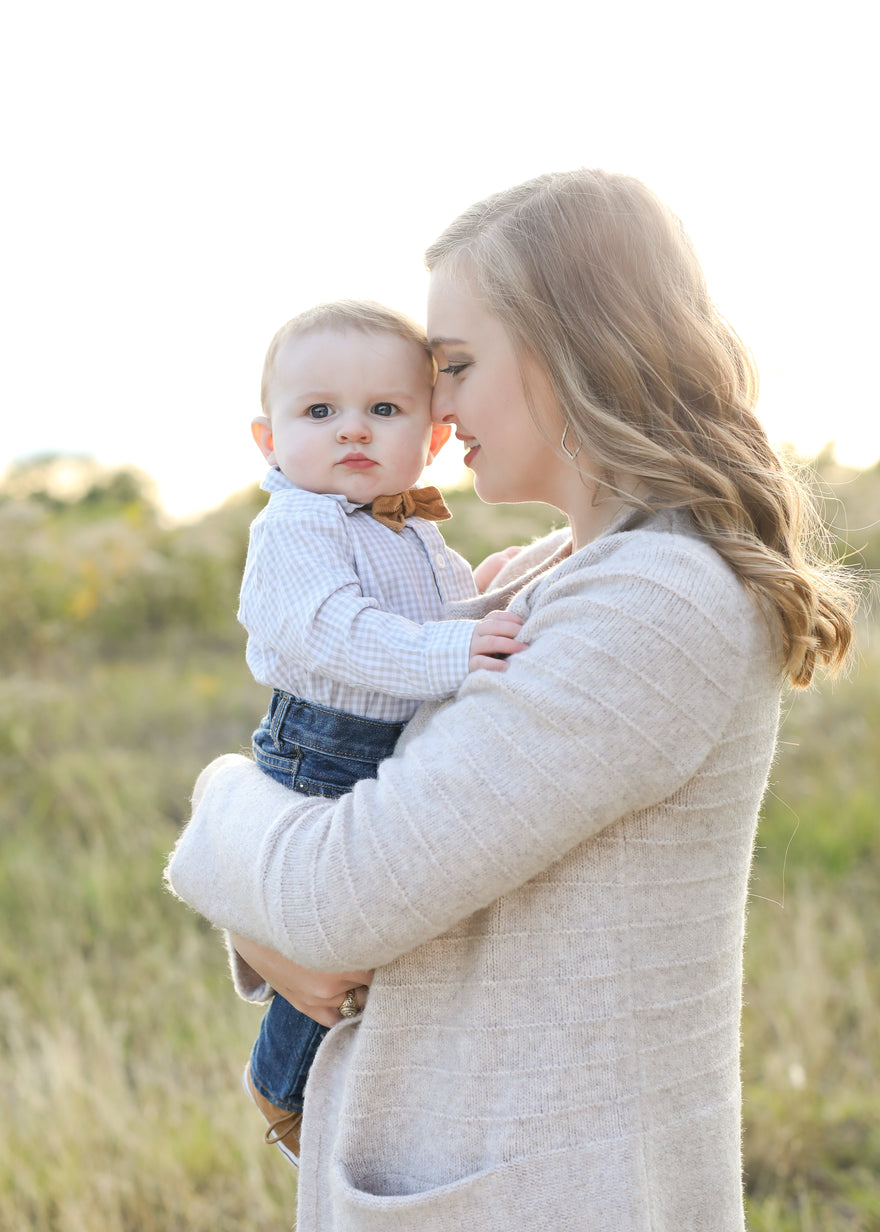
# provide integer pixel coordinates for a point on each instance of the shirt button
(440, 560)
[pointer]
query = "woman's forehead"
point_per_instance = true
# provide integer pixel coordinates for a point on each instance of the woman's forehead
(455, 309)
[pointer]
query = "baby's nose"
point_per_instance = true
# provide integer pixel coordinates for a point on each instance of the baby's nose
(354, 428)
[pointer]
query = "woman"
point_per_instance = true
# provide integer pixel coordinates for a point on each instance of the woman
(549, 877)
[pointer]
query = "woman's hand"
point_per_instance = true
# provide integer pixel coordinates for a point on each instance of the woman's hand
(316, 994)
(487, 570)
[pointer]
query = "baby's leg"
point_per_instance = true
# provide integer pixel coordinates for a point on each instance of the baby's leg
(276, 1074)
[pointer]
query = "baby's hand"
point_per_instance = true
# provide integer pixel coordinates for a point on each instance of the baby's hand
(487, 570)
(495, 636)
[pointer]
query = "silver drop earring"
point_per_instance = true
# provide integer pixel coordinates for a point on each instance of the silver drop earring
(565, 448)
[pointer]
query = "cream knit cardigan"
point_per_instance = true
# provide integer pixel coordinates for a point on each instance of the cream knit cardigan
(550, 877)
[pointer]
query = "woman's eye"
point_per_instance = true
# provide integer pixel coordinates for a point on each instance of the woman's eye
(384, 408)
(453, 369)
(320, 411)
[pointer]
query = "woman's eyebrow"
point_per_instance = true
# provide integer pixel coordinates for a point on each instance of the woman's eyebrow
(436, 342)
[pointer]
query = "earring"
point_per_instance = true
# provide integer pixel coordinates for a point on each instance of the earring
(565, 448)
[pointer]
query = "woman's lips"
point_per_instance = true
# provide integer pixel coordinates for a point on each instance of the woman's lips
(471, 447)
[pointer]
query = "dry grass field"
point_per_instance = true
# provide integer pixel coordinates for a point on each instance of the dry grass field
(121, 1043)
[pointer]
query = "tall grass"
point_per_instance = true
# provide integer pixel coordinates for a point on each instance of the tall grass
(121, 1043)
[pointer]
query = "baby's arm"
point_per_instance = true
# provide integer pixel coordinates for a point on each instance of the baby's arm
(302, 602)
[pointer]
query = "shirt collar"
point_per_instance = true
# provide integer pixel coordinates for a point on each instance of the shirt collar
(277, 481)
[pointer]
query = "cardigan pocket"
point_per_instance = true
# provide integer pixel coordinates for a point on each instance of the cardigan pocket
(538, 1192)
(441, 1209)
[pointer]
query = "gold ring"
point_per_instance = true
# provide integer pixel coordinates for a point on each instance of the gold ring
(350, 1007)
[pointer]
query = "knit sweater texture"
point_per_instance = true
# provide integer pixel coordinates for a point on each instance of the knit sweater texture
(550, 879)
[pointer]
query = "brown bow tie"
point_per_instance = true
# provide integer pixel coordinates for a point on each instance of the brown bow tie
(392, 511)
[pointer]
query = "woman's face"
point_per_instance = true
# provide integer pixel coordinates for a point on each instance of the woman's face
(481, 390)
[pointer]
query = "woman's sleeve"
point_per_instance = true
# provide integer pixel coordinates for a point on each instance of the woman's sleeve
(301, 595)
(626, 686)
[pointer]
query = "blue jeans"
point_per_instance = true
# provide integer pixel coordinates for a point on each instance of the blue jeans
(315, 751)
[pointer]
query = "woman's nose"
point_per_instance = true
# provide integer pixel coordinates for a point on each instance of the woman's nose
(441, 404)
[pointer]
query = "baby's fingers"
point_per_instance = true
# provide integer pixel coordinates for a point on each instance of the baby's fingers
(491, 651)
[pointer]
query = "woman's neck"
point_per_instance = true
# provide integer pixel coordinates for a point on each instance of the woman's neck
(595, 510)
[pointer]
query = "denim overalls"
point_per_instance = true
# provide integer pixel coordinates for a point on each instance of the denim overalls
(315, 751)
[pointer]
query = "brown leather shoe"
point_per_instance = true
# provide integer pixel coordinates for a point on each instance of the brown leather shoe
(284, 1126)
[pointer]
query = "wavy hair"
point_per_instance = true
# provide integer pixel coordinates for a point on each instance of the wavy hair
(594, 276)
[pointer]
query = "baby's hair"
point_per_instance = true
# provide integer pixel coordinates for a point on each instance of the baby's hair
(361, 314)
(594, 276)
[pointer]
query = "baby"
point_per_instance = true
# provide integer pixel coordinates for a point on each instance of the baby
(343, 592)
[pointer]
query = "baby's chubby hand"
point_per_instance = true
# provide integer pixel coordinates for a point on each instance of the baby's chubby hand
(495, 635)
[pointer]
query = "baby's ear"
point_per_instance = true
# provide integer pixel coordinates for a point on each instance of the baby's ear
(261, 429)
(440, 434)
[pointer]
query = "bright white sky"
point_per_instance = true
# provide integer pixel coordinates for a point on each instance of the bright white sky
(183, 176)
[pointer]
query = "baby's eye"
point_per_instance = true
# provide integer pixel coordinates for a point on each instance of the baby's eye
(384, 408)
(453, 369)
(319, 411)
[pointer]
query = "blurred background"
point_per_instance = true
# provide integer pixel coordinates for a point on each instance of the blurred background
(181, 180)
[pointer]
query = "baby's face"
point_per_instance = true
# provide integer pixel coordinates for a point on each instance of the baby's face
(351, 412)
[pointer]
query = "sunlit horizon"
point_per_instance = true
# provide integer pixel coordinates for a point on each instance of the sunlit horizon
(173, 200)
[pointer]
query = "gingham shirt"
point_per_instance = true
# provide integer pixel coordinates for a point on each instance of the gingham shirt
(344, 612)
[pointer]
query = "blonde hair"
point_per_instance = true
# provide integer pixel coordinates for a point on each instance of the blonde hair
(594, 276)
(361, 314)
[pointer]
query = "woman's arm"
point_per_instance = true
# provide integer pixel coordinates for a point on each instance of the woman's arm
(635, 661)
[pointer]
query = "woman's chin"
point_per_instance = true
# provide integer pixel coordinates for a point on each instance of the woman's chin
(497, 493)
(486, 493)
